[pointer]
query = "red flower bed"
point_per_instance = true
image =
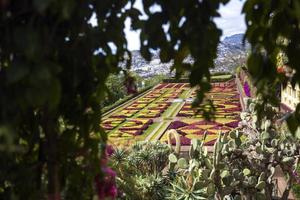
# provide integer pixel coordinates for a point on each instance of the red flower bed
(179, 85)
(170, 85)
(190, 127)
(135, 133)
(232, 109)
(184, 114)
(177, 124)
(119, 116)
(205, 122)
(145, 126)
(210, 143)
(201, 132)
(160, 86)
(232, 124)
(183, 141)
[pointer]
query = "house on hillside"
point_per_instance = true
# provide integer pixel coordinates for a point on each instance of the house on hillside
(290, 96)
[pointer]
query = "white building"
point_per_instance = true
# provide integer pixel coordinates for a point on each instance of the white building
(290, 96)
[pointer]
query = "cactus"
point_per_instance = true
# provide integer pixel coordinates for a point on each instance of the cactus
(181, 163)
(172, 158)
(174, 133)
(242, 169)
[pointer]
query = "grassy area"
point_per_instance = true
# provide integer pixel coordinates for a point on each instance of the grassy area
(176, 110)
(170, 109)
(221, 77)
(176, 106)
(149, 130)
(184, 94)
(160, 131)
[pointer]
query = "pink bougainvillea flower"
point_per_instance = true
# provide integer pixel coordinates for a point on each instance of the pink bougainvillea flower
(109, 150)
(247, 89)
(106, 185)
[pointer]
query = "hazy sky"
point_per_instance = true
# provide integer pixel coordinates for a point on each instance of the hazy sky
(231, 22)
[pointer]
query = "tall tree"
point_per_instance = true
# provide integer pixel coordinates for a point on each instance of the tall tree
(53, 68)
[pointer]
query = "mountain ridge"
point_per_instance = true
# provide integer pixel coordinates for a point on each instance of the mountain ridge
(232, 52)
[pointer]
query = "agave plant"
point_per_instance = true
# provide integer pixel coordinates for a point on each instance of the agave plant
(140, 171)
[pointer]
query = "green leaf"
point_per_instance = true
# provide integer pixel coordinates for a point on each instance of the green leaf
(265, 135)
(211, 189)
(224, 173)
(182, 163)
(288, 159)
(246, 172)
(260, 185)
(195, 143)
(172, 158)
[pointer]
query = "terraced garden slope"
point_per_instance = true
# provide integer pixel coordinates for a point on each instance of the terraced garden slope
(168, 106)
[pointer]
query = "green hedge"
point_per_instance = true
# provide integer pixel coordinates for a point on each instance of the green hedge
(221, 77)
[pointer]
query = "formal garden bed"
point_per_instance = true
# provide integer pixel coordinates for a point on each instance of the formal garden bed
(134, 122)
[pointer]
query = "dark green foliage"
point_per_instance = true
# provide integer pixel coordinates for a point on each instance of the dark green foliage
(273, 28)
(140, 171)
(115, 89)
(51, 86)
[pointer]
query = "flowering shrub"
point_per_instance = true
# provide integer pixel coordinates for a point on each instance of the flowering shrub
(106, 185)
(247, 89)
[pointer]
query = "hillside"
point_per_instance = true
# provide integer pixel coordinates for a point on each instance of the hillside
(231, 52)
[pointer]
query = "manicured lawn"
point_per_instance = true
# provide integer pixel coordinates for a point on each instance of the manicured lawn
(149, 130)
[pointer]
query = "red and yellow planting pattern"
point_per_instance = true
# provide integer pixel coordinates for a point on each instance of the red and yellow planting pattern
(111, 123)
(129, 131)
(131, 122)
(191, 125)
(195, 128)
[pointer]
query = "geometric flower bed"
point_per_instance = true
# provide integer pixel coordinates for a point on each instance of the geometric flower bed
(129, 123)
(136, 106)
(195, 128)
(225, 100)
(125, 114)
(129, 130)
(227, 116)
(136, 124)
(111, 123)
(159, 106)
